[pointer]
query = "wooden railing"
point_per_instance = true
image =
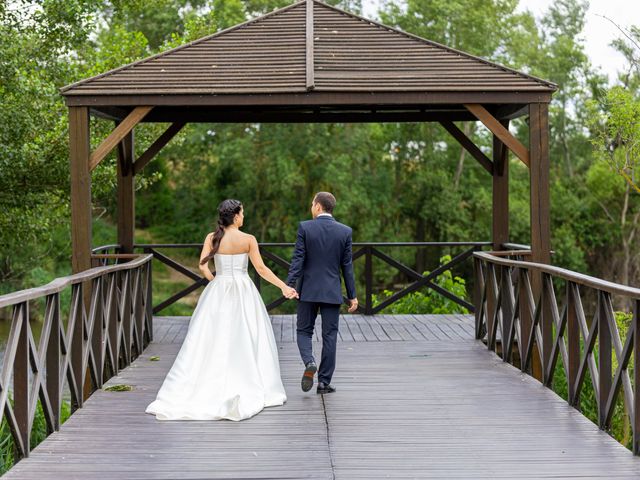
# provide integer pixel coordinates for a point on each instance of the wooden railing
(108, 325)
(364, 250)
(517, 301)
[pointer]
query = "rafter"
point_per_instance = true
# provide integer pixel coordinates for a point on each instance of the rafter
(499, 131)
(116, 136)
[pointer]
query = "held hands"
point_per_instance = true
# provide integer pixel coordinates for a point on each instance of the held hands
(289, 292)
(353, 305)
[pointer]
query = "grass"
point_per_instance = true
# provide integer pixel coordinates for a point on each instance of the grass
(8, 450)
(118, 388)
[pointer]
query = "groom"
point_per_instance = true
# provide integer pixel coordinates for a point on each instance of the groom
(322, 252)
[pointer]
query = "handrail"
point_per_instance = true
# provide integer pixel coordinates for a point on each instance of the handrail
(575, 277)
(61, 283)
(108, 323)
(291, 244)
(365, 250)
(539, 331)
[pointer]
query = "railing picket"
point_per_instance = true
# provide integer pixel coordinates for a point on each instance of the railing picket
(478, 288)
(148, 303)
(368, 276)
(77, 333)
(636, 378)
(138, 312)
(508, 311)
(52, 358)
(126, 315)
(623, 353)
(573, 338)
(604, 358)
(113, 323)
(491, 306)
(21, 377)
(96, 332)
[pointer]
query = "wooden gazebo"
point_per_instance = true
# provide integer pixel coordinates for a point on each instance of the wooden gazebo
(308, 62)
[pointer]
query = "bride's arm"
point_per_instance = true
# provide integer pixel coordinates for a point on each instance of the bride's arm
(265, 272)
(206, 249)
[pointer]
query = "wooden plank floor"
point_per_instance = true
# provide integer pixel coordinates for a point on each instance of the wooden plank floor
(417, 397)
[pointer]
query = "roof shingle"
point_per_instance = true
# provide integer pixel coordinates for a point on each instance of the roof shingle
(268, 55)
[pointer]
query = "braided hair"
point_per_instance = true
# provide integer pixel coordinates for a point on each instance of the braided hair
(227, 210)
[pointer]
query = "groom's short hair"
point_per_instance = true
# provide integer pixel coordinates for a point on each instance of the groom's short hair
(326, 200)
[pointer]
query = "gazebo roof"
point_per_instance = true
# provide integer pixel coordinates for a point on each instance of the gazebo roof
(308, 53)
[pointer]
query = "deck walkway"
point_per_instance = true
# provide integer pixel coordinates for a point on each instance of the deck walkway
(417, 397)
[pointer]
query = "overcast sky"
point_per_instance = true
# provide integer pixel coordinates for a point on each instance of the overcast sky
(598, 32)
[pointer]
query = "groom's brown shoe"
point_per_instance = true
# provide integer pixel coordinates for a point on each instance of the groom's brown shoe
(325, 388)
(310, 370)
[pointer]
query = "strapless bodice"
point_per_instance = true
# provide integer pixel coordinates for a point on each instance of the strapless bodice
(230, 265)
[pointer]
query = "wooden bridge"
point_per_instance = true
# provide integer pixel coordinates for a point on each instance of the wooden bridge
(418, 397)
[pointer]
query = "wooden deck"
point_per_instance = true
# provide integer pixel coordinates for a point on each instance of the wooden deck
(417, 397)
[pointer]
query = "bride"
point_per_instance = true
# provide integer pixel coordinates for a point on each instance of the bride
(227, 366)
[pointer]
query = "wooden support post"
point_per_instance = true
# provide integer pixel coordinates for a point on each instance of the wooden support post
(500, 228)
(79, 151)
(539, 182)
(540, 210)
(126, 193)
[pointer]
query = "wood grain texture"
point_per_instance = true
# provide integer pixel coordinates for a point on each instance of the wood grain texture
(117, 135)
(421, 399)
(499, 130)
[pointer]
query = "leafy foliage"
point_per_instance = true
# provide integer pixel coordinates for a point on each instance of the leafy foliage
(429, 301)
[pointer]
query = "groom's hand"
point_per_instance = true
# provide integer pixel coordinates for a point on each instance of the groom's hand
(353, 305)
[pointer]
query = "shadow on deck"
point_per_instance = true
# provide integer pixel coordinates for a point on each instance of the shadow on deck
(418, 397)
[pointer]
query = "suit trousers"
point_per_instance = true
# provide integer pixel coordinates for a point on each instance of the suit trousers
(307, 313)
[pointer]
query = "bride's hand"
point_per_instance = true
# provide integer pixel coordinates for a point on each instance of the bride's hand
(289, 292)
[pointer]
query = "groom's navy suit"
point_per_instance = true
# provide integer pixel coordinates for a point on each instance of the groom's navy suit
(322, 253)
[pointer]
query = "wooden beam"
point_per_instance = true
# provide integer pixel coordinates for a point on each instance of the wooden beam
(241, 98)
(500, 209)
(126, 193)
(468, 145)
(210, 115)
(499, 131)
(310, 81)
(115, 137)
(156, 146)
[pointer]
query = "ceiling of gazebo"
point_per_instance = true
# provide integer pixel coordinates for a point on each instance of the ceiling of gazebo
(314, 56)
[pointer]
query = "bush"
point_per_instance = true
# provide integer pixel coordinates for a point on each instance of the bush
(429, 301)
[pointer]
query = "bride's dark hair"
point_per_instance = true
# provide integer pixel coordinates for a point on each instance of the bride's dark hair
(227, 210)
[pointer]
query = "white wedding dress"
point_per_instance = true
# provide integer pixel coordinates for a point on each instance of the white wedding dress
(227, 367)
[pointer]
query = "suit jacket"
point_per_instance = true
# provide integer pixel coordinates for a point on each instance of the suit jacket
(322, 252)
